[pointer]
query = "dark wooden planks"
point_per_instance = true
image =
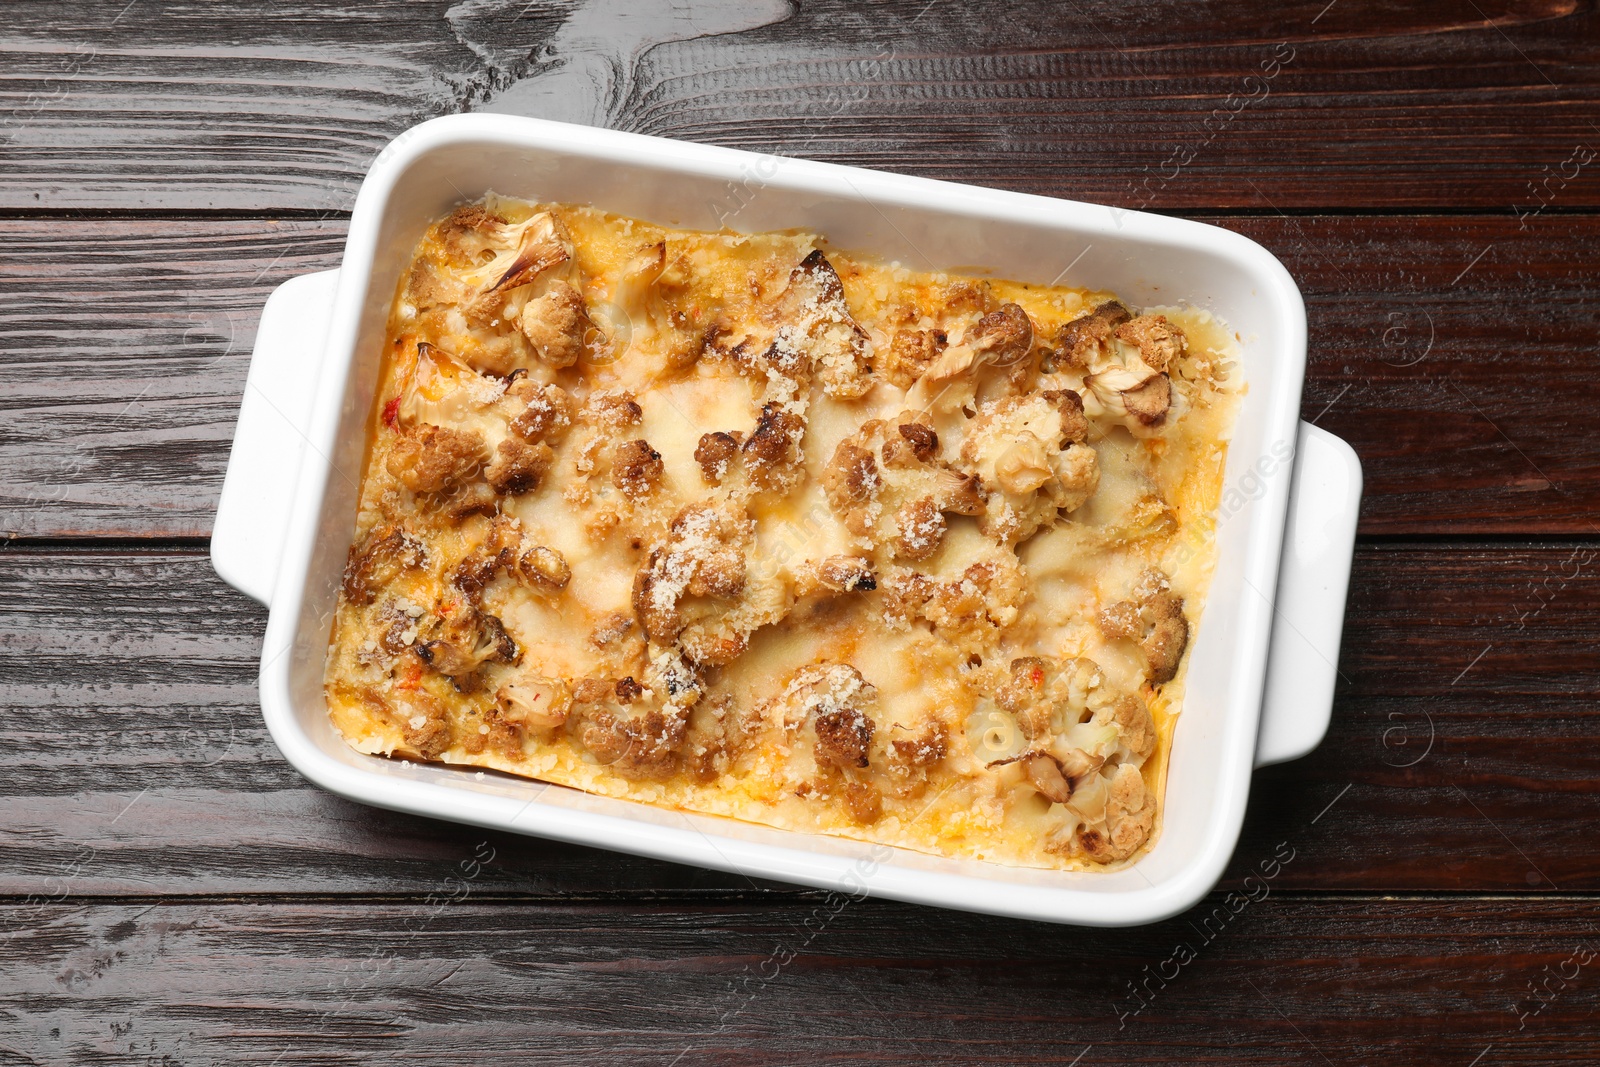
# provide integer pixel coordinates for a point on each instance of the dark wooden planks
(1454, 760)
(1456, 354)
(1166, 105)
(1275, 981)
(123, 352)
(1461, 756)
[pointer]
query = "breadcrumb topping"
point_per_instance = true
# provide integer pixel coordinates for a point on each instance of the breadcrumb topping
(743, 525)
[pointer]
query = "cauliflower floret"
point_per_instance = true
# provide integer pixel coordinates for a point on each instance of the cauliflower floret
(1124, 821)
(1160, 343)
(1153, 619)
(1028, 453)
(902, 502)
(435, 459)
(556, 324)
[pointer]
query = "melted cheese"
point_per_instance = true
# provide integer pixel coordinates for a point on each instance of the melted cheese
(866, 707)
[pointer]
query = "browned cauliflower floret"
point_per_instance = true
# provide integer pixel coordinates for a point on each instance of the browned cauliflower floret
(1136, 730)
(903, 503)
(1045, 774)
(912, 443)
(911, 352)
(838, 703)
(714, 453)
(834, 574)
(435, 459)
(613, 408)
(1135, 387)
(1160, 342)
(704, 556)
(1153, 619)
(1002, 340)
(844, 737)
(969, 611)
(911, 757)
(517, 466)
(1005, 336)
(815, 321)
(424, 723)
(851, 483)
(468, 641)
(522, 252)
(1150, 402)
(383, 555)
(545, 568)
(636, 469)
(1072, 720)
(546, 413)
(1079, 342)
(1031, 692)
(557, 325)
(1028, 453)
(772, 455)
(1123, 824)
(919, 529)
(644, 745)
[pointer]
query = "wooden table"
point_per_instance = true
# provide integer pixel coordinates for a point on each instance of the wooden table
(174, 892)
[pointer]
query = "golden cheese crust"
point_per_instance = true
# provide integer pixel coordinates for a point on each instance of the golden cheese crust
(739, 525)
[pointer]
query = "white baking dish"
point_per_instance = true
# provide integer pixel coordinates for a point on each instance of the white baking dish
(287, 511)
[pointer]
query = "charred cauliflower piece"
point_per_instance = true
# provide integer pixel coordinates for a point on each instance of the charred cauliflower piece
(546, 412)
(521, 252)
(835, 574)
(1028, 452)
(910, 353)
(1002, 340)
(636, 468)
(644, 744)
(1128, 367)
(694, 593)
(1067, 711)
(771, 454)
(517, 466)
(471, 640)
(387, 552)
(714, 453)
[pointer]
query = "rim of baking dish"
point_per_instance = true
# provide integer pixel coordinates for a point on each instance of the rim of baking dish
(689, 844)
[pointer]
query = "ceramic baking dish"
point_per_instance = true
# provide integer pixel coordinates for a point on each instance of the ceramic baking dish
(1260, 682)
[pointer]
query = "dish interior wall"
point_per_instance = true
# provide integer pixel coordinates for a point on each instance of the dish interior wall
(1019, 239)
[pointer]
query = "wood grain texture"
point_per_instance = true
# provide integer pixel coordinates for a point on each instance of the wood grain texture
(1281, 980)
(123, 353)
(1455, 354)
(1462, 754)
(1168, 105)
(1421, 890)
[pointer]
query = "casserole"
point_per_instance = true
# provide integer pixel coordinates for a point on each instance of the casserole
(289, 499)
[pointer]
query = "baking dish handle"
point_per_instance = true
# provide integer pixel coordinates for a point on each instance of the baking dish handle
(1318, 543)
(253, 513)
